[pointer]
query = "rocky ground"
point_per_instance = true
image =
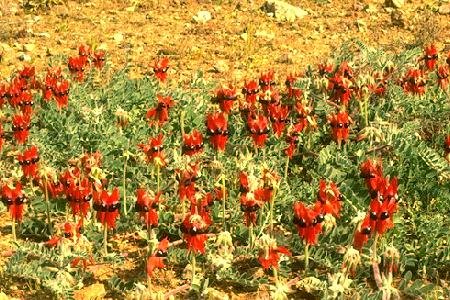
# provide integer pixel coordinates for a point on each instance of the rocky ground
(224, 39)
(227, 40)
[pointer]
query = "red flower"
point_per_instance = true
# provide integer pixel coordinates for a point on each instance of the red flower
(249, 206)
(251, 90)
(2, 137)
(279, 117)
(15, 91)
(79, 195)
(61, 93)
(28, 74)
(362, 234)
(98, 59)
(28, 160)
(258, 125)
(381, 214)
(147, 207)
(186, 182)
(160, 68)
(107, 206)
(53, 75)
(192, 143)
(379, 86)
(372, 172)
(154, 150)
(345, 70)
(269, 97)
(271, 258)
(3, 94)
(194, 229)
(308, 221)
(26, 102)
(325, 69)
(14, 200)
(340, 89)
(329, 199)
(217, 126)
(447, 148)
(76, 66)
(226, 97)
(293, 92)
(84, 50)
(20, 127)
(414, 82)
(430, 56)
(443, 77)
(54, 188)
(156, 260)
(161, 111)
(266, 80)
(243, 182)
(340, 124)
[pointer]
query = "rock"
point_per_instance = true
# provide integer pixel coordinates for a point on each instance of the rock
(444, 9)
(244, 36)
(221, 66)
(118, 37)
(202, 17)
(103, 47)
(43, 35)
(361, 24)
(395, 3)
(61, 11)
(92, 292)
(283, 11)
(285, 58)
(265, 35)
(398, 18)
(29, 47)
(370, 8)
(24, 57)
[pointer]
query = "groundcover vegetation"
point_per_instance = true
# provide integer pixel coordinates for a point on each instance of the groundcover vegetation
(332, 182)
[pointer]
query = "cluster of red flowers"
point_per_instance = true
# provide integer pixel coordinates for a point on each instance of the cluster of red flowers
(340, 126)
(160, 67)
(160, 113)
(415, 80)
(28, 161)
(153, 150)
(86, 55)
(56, 87)
(340, 84)
(254, 193)
(383, 204)
(147, 206)
(309, 219)
(14, 199)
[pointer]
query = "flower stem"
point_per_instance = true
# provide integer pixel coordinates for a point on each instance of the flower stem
(275, 274)
(286, 168)
(150, 238)
(47, 205)
(105, 238)
(250, 236)
(158, 175)
(13, 225)
(271, 207)
(306, 257)
(366, 110)
(375, 267)
(223, 202)
(194, 262)
(124, 186)
(182, 115)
